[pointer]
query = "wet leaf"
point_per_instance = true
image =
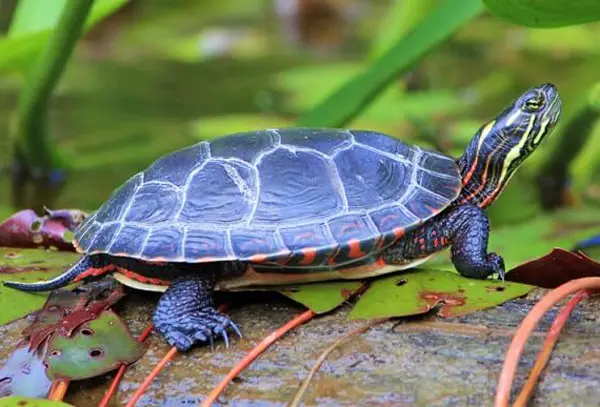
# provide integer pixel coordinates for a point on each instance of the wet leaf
(67, 310)
(554, 269)
(322, 297)
(24, 374)
(26, 229)
(96, 347)
(420, 291)
(17, 401)
(28, 265)
(545, 13)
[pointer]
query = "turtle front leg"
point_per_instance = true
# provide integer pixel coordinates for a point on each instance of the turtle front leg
(465, 228)
(186, 314)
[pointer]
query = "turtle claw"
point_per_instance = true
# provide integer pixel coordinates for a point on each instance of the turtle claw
(236, 329)
(225, 338)
(196, 327)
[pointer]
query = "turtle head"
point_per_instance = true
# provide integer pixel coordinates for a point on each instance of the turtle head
(501, 145)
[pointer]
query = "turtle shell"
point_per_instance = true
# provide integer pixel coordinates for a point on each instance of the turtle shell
(317, 198)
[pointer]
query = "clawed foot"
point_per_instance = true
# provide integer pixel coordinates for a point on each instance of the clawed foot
(195, 327)
(496, 265)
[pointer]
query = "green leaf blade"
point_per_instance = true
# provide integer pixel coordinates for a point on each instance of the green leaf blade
(349, 100)
(545, 13)
(322, 297)
(418, 292)
(27, 265)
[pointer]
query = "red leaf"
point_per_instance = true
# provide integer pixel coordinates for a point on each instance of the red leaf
(554, 269)
(27, 229)
(66, 310)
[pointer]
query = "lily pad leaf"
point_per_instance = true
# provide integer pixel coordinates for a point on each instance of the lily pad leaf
(27, 265)
(322, 297)
(545, 13)
(94, 348)
(66, 310)
(420, 291)
(24, 374)
(16, 401)
(554, 269)
(26, 229)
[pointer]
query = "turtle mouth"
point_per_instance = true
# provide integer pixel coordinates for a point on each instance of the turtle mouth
(552, 113)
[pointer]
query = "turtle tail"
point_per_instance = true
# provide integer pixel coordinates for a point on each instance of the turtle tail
(75, 273)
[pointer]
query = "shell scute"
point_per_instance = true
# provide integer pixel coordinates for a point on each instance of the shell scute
(203, 243)
(175, 168)
(370, 178)
(295, 185)
(165, 241)
(154, 203)
(219, 192)
(104, 237)
(114, 208)
(325, 141)
(130, 239)
(352, 226)
(248, 242)
(244, 146)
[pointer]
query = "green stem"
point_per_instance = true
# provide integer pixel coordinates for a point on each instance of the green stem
(33, 138)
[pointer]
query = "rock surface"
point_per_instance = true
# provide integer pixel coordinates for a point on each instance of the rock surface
(421, 362)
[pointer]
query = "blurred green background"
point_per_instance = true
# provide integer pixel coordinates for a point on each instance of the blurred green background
(155, 76)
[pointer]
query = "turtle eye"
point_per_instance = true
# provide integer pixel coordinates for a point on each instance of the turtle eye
(534, 104)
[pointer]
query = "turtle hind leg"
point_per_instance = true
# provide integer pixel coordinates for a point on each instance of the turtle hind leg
(186, 314)
(87, 266)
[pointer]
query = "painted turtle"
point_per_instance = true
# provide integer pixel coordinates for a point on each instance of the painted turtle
(300, 205)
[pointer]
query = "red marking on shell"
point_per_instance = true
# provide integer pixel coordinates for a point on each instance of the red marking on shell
(142, 279)
(310, 254)
(207, 259)
(350, 227)
(386, 219)
(422, 241)
(258, 258)
(304, 236)
(436, 242)
(91, 272)
(332, 259)
(380, 262)
(398, 232)
(159, 261)
(355, 249)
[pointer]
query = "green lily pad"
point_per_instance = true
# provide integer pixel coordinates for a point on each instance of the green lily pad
(28, 265)
(322, 297)
(95, 348)
(420, 291)
(16, 401)
(545, 13)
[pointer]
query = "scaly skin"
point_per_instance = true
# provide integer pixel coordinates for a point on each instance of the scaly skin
(186, 314)
(465, 228)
